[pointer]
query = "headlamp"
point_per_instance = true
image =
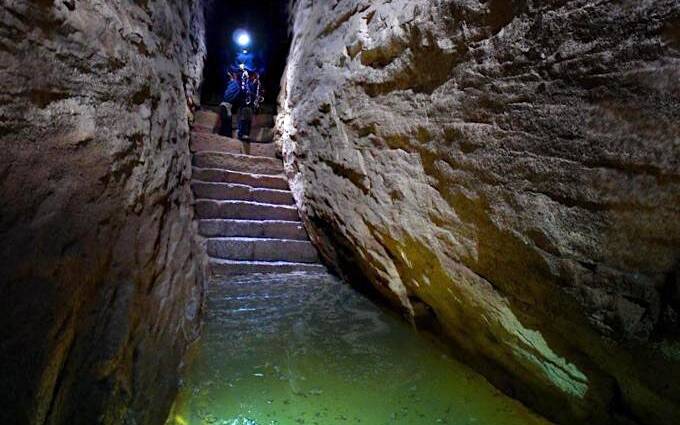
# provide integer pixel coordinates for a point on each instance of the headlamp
(242, 38)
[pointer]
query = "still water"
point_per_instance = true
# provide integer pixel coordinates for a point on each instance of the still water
(305, 349)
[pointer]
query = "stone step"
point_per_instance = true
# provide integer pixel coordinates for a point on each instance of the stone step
(257, 249)
(271, 229)
(262, 125)
(244, 210)
(241, 192)
(215, 143)
(220, 267)
(258, 135)
(208, 118)
(203, 129)
(262, 134)
(238, 162)
(216, 175)
(263, 121)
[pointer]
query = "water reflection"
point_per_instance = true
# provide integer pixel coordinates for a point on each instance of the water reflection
(302, 349)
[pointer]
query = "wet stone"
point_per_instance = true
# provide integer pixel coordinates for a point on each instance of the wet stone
(304, 348)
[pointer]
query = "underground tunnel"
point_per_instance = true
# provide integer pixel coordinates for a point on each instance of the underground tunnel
(339, 212)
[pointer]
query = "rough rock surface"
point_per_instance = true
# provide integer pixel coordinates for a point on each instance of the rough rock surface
(512, 169)
(102, 282)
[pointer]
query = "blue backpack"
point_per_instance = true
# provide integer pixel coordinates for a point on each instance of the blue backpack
(232, 92)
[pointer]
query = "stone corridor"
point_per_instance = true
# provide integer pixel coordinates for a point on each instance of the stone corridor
(504, 176)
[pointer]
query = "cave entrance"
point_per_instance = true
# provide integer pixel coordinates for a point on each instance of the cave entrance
(266, 23)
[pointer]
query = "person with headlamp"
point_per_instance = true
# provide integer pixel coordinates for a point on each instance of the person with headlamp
(244, 73)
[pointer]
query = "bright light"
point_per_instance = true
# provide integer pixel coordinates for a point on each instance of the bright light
(242, 38)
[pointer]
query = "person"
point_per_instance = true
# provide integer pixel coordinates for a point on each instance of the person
(245, 59)
(251, 97)
(245, 72)
(231, 95)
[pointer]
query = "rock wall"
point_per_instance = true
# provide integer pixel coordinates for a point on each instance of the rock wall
(512, 170)
(102, 283)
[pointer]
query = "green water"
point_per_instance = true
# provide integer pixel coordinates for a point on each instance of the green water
(305, 349)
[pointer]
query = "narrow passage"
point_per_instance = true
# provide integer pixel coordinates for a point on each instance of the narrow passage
(286, 343)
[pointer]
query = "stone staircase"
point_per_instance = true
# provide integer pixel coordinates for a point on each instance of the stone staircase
(245, 210)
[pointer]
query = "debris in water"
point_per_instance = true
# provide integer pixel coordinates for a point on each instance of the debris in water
(241, 420)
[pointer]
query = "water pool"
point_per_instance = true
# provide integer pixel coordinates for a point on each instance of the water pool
(306, 349)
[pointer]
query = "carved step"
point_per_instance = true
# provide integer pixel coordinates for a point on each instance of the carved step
(256, 249)
(241, 192)
(244, 210)
(207, 142)
(205, 117)
(219, 267)
(237, 162)
(202, 129)
(272, 229)
(208, 118)
(263, 121)
(216, 175)
(262, 134)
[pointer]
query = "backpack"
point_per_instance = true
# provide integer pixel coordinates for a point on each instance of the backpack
(232, 92)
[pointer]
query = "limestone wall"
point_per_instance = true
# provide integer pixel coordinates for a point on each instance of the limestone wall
(512, 168)
(101, 283)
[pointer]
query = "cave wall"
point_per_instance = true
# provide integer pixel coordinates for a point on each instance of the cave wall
(102, 282)
(510, 169)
